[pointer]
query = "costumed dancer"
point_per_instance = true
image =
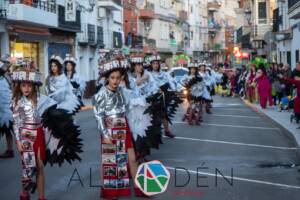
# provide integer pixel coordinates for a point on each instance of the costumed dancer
(77, 82)
(168, 89)
(195, 85)
(118, 156)
(59, 88)
(6, 120)
(206, 91)
(143, 117)
(37, 121)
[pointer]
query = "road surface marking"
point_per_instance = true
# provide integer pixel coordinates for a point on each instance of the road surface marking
(232, 126)
(236, 143)
(235, 116)
(239, 179)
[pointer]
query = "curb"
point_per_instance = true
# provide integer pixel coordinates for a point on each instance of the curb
(290, 135)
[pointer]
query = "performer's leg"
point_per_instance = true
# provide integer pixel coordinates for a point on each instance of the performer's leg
(40, 177)
(168, 132)
(133, 169)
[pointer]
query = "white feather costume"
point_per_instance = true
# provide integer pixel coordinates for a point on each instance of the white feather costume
(60, 89)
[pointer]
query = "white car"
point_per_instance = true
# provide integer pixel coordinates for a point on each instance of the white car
(177, 73)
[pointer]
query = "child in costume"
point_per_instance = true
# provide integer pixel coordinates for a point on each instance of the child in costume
(59, 88)
(118, 155)
(195, 85)
(168, 90)
(206, 94)
(6, 120)
(76, 81)
(143, 117)
(36, 119)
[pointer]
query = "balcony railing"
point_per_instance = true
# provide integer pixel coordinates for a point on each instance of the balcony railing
(49, 6)
(3, 13)
(110, 4)
(70, 26)
(148, 11)
(293, 4)
(258, 31)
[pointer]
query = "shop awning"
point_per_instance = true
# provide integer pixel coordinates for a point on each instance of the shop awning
(30, 33)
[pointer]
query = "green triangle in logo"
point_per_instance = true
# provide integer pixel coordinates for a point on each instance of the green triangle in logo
(152, 186)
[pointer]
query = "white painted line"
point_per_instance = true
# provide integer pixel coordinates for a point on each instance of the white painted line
(234, 116)
(232, 126)
(241, 179)
(237, 143)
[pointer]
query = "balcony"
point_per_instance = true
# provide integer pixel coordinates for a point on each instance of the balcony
(213, 6)
(3, 14)
(87, 35)
(66, 25)
(113, 5)
(293, 5)
(41, 12)
(258, 31)
(147, 12)
(182, 15)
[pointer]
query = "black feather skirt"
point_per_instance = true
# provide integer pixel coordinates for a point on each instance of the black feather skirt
(61, 125)
(6, 130)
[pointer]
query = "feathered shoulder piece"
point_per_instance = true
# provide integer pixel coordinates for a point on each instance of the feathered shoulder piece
(193, 81)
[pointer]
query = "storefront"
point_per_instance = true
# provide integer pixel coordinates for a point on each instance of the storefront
(29, 43)
(25, 50)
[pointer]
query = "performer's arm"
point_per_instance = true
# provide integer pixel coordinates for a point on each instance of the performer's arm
(99, 106)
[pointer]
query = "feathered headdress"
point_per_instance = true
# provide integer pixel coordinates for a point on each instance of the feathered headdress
(70, 59)
(26, 73)
(57, 59)
(137, 59)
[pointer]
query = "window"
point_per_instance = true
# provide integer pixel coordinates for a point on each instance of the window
(262, 12)
(297, 56)
(192, 35)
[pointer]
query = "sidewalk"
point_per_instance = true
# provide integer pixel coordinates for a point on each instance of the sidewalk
(282, 118)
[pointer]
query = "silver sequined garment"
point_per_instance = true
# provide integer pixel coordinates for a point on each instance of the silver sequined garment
(108, 104)
(25, 113)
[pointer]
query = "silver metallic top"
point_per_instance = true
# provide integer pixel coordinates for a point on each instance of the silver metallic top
(108, 104)
(24, 112)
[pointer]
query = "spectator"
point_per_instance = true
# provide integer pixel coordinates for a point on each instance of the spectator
(250, 83)
(296, 72)
(286, 71)
(264, 87)
(277, 87)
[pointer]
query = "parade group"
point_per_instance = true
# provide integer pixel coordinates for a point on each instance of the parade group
(134, 106)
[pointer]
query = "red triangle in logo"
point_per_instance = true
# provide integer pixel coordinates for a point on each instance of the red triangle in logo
(149, 175)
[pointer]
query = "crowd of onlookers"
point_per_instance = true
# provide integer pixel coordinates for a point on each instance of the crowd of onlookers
(272, 83)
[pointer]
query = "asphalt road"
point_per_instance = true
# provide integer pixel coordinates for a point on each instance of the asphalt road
(257, 157)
